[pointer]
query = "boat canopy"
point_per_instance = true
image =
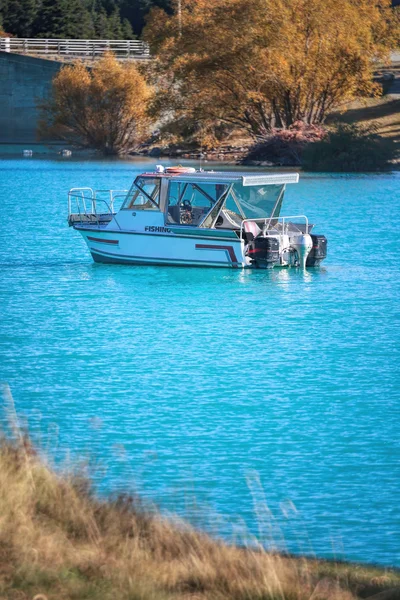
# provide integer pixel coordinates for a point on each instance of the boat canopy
(244, 179)
(250, 195)
(210, 198)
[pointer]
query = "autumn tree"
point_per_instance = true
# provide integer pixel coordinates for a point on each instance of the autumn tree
(104, 108)
(259, 64)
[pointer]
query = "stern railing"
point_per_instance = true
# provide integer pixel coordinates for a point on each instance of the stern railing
(86, 201)
(279, 224)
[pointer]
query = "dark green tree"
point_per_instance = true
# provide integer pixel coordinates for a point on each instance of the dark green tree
(50, 21)
(101, 24)
(127, 31)
(79, 21)
(64, 19)
(115, 26)
(135, 11)
(105, 19)
(19, 16)
(2, 12)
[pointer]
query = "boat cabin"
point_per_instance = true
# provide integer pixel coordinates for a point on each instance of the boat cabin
(208, 200)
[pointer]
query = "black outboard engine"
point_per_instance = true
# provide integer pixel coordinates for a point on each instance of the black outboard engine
(264, 252)
(318, 251)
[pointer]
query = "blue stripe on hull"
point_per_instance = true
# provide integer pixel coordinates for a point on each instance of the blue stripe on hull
(109, 258)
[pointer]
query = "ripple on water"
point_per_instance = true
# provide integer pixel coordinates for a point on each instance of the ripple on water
(255, 402)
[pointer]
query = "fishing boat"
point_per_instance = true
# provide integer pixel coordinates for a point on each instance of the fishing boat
(183, 216)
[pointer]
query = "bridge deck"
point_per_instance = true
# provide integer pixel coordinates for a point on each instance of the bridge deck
(63, 49)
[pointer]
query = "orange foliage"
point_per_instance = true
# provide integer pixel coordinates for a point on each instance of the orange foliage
(104, 108)
(260, 64)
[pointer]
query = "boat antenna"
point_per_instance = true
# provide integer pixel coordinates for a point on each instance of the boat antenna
(201, 150)
(180, 17)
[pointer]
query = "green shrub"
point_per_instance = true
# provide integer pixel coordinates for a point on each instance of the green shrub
(350, 148)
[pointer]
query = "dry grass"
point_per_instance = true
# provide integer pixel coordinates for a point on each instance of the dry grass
(384, 112)
(57, 541)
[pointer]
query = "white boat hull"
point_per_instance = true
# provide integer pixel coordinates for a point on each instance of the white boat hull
(187, 247)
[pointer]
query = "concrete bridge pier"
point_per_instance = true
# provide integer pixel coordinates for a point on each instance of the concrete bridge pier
(24, 81)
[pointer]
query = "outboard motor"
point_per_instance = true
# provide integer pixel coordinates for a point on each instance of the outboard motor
(264, 251)
(318, 251)
(303, 245)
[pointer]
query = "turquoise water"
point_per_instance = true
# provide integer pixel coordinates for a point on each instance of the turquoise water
(255, 403)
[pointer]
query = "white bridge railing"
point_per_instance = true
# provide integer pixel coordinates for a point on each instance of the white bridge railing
(72, 49)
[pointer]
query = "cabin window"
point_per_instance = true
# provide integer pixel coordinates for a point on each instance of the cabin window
(144, 194)
(231, 216)
(193, 203)
(259, 201)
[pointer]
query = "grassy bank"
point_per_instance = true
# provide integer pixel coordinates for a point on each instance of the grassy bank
(384, 112)
(57, 541)
(382, 115)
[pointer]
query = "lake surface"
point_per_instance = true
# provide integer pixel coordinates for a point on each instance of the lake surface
(256, 403)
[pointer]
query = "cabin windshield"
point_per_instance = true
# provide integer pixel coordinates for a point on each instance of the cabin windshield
(259, 201)
(144, 194)
(195, 204)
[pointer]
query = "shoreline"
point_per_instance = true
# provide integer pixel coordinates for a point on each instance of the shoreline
(233, 157)
(117, 548)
